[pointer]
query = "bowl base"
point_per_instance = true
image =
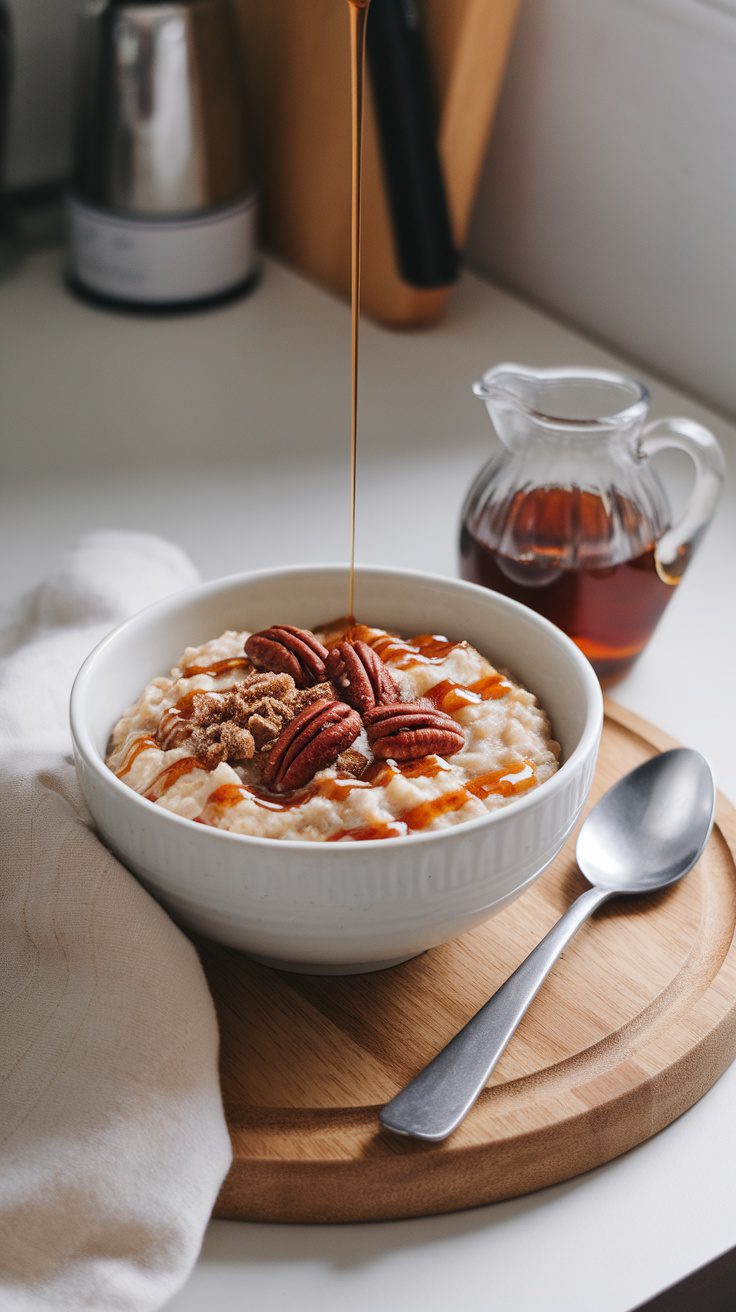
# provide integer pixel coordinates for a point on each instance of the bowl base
(347, 968)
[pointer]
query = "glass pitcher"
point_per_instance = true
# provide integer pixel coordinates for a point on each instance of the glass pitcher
(570, 517)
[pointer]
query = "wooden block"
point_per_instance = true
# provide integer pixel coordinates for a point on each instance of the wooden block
(297, 59)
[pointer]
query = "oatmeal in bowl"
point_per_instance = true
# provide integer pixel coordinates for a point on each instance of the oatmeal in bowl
(343, 819)
(347, 733)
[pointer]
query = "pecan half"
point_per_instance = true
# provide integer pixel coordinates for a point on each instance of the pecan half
(314, 739)
(404, 730)
(285, 649)
(360, 676)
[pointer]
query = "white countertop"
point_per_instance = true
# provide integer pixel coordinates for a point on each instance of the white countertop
(227, 431)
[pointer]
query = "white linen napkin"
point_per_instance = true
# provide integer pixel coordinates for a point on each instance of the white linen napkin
(113, 1142)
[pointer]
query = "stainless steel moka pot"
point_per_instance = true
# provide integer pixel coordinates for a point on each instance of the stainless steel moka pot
(162, 209)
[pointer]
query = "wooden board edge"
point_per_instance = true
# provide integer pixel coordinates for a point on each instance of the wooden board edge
(312, 1192)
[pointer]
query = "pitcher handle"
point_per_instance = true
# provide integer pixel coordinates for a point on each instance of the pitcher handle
(675, 548)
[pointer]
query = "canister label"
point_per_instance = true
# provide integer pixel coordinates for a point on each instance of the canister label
(162, 260)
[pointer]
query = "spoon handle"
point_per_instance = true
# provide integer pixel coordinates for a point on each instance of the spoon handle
(438, 1098)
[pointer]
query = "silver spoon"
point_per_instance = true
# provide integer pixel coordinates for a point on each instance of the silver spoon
(643, 835)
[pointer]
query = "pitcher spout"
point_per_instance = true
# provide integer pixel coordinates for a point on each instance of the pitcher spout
(572, 400)
(506, 385)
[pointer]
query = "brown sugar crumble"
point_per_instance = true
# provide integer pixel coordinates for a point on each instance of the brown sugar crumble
(235, 724)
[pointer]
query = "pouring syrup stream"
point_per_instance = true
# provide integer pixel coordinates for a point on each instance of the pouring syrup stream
(358, 10)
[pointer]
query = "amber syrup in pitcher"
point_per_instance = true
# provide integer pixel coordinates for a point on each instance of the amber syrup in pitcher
(609, 610)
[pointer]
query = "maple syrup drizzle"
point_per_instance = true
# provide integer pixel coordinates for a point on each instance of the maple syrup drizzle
(218, 667)
(426, 767)
(142, 743)
(168, 777)
(450, 696)
(358, 11)
(368, 833)
(503, 783)
(424, 649)
(508, 782)
(229, 795)
(335, 789)
(173, 726)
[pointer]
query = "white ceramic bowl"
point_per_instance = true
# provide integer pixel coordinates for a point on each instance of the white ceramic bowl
(337, 907)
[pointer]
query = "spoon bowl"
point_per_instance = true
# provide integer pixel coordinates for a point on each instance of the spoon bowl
(647, 831)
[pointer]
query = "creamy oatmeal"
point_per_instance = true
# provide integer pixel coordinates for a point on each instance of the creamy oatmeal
(336, 735)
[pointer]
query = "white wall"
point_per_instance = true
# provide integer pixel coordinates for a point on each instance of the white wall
(609, 192)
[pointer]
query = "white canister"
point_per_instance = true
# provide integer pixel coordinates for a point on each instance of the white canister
(162, 261)
(162, 208)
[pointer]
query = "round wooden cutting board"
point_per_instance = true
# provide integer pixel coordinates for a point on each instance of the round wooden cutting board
(636, 1022)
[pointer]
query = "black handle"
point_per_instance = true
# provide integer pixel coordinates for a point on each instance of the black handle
(408, 134)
